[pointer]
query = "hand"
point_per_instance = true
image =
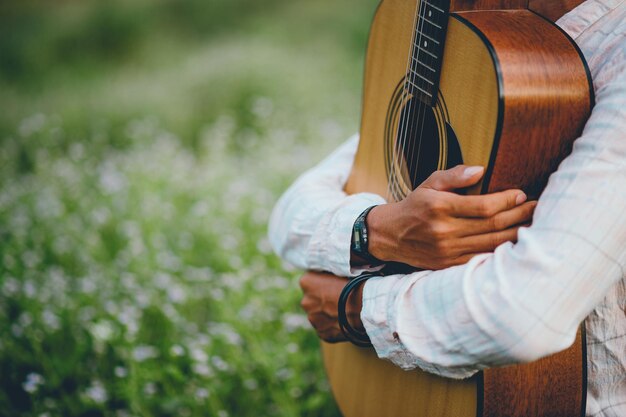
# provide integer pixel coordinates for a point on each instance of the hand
(434, 228)
(320, 300)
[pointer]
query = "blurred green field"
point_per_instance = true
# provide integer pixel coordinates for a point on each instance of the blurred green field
(143, 145)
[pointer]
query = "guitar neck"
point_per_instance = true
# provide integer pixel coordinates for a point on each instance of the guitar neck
(429, 37)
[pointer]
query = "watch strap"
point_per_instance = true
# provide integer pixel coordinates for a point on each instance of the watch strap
(360, 240)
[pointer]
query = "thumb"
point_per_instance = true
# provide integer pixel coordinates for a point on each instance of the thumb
(460, 176)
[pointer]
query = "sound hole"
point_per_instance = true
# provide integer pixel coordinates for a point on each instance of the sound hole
(454, 149)
(418, 142)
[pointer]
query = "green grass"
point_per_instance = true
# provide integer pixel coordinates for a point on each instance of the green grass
(143, 145)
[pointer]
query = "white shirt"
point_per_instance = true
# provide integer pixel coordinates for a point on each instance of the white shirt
(524, 301)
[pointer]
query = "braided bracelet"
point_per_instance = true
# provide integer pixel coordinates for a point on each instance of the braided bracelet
(353, 335)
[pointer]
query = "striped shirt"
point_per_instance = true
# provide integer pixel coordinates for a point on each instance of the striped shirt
(525, 300)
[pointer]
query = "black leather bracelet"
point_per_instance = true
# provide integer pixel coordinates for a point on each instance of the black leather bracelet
(353, 335)
(360, 239)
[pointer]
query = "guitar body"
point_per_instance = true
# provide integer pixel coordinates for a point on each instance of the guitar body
(513, 94)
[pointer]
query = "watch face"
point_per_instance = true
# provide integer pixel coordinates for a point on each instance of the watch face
(356, 239)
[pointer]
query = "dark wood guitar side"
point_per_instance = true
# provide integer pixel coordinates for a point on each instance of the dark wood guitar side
(514, 92)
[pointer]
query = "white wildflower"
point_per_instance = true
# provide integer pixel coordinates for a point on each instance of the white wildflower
(32, 124)
(295, 322)
(29, 288)
(177, 294)
(251, 384)
(202, 369)
(32, 382)
(229, 242)
(144, 352)
(263, 245)
(25, 319)
(235, 262)
(50, 319)
(150, 389)
(10, 287)
(199, 355)
(284, 374)
(262, 107)
(219, 363)
(217, 294)
(111, 179)
(177, 350)
(200, 209)
(77, 151)
(102, 331)
(201, 393)
(97, 393)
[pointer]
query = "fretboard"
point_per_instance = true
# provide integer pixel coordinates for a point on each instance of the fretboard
(427, 49)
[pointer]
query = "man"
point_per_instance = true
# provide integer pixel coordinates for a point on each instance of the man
(519, 303)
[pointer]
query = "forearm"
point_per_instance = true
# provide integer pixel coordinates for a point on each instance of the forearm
(521, 303)
(311, 224)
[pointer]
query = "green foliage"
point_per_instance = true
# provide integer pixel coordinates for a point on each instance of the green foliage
(142, 147)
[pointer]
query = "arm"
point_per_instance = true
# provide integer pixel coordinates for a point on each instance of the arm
(311, 225)
(524, 301)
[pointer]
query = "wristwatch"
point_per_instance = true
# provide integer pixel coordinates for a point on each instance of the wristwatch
(359, 244)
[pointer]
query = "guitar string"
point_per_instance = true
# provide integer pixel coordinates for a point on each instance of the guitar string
(422, 108)
(402, 129)
(432, 61)
(401, 135)
(403, 159)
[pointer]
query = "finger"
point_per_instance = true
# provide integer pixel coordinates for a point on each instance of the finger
(501, 221)
(312, 278)
(487, 205)
(320, 322)
(487, 242)
(460, 176)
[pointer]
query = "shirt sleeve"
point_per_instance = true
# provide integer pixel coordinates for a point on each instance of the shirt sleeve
(524, 301)
(311, 224)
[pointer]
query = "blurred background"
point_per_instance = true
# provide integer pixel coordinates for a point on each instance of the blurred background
(143, 145)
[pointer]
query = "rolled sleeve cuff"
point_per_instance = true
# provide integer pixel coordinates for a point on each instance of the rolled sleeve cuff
(379, 316)
(329, 248)
(378, 324)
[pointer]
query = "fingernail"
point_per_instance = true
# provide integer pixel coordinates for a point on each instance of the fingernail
(521, 197)
(471, 171)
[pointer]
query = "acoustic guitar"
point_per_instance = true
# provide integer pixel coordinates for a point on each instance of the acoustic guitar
(447, 82)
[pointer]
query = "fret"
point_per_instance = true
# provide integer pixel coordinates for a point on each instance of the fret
(422, 77)
(432, 23)
(433, 6)
(435, 41)
(431, 14)
(419, 89)
(424, 65)
(424, 50)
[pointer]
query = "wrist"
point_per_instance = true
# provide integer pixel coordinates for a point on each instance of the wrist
(359, 246)
(381, 242)
(355, 306)
(349, 308)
